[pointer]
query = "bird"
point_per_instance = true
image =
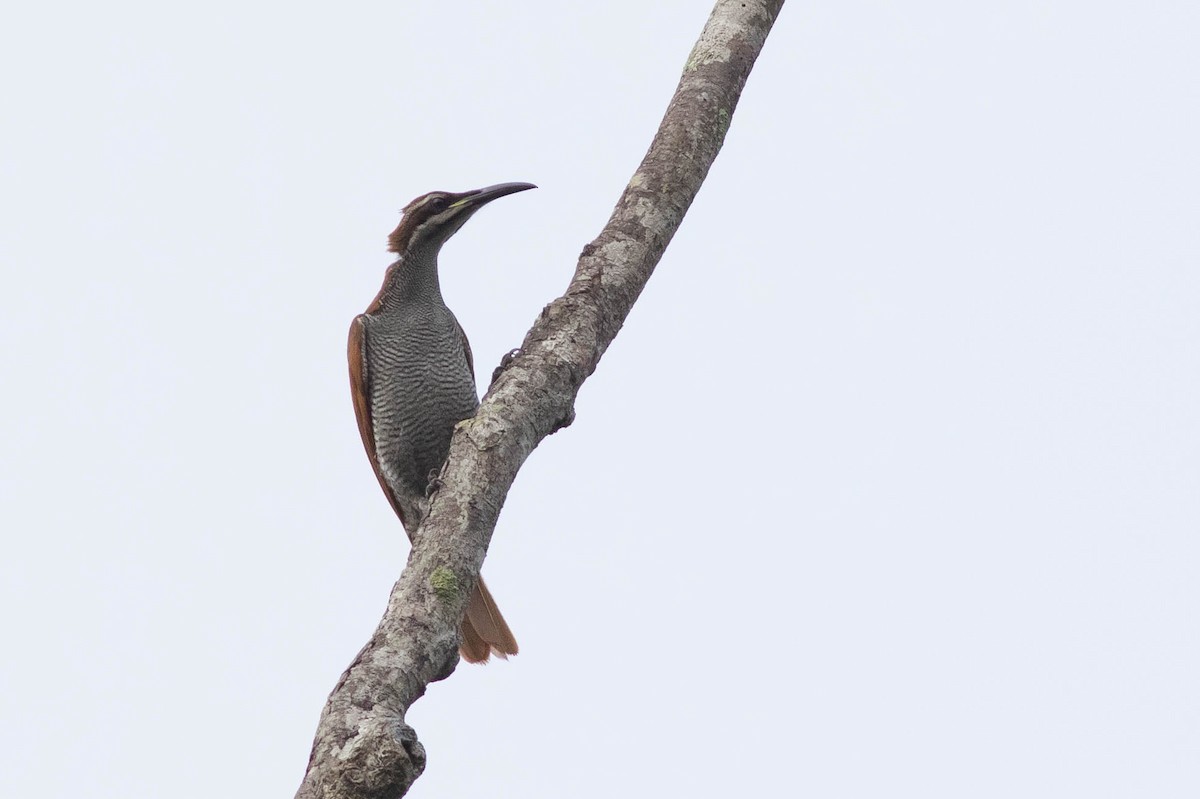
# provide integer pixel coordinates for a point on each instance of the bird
(412, 379)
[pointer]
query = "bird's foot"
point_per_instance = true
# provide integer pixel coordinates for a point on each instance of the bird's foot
(505, 362)
(435, 483)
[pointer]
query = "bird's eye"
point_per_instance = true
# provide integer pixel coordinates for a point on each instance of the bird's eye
(438, 204)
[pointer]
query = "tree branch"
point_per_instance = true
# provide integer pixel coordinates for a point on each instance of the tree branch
(363, 748)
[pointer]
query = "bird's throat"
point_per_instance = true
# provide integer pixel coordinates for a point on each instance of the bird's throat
(413, 278)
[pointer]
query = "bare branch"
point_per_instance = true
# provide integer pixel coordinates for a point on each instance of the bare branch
(363, 748)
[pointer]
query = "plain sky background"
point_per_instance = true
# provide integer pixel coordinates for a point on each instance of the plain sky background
(889, 487)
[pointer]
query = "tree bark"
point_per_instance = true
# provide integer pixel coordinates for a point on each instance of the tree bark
(363, 749)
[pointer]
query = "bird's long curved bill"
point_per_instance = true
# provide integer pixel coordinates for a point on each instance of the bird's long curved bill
(486, 195)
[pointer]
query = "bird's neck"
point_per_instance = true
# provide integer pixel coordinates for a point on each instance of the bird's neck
(413, 278)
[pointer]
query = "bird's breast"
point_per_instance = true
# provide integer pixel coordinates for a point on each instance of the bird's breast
(421, 386)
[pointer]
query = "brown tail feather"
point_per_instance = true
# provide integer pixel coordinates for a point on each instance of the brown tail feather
(484, 631)
(472, 648)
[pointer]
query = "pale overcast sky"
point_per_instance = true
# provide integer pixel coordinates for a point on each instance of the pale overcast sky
(889, 487)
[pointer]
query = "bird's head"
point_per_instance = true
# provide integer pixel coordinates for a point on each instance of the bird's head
(431, 219)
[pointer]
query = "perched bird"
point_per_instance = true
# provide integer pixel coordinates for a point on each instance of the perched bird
(412, 379)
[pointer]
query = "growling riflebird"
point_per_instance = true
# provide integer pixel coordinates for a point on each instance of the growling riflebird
(412, 379)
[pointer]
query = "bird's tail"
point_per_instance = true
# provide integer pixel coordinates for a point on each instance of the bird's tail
(484, 632)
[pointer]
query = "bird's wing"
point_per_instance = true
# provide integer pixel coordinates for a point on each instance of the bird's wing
(466, 345)
(360, 392)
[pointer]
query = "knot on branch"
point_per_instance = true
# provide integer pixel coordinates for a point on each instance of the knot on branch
(384, 759)
(564, 421)
(485, 432)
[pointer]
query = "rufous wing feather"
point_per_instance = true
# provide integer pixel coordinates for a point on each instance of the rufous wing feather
(360, 393)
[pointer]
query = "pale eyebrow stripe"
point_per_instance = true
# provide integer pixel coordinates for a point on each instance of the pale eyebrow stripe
(423, 202)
